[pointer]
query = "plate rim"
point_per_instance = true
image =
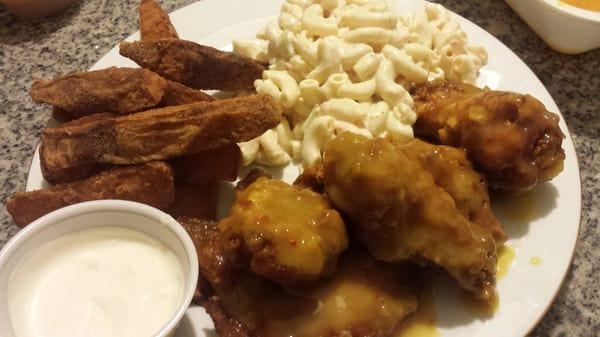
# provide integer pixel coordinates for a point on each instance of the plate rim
(542, 314)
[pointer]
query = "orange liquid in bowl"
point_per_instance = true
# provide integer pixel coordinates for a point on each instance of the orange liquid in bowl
(591, 5)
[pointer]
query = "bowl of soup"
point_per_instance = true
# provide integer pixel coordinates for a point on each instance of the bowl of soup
(568, 26)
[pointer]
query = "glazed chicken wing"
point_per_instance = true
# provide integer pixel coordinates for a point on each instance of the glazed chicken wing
(454, 174)
(511, 138)
(287, 233)
(396, 210)
(364, 298)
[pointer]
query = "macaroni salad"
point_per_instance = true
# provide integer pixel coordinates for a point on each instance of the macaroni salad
(347, 65)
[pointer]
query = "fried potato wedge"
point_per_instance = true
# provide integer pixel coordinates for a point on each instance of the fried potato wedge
(120, 90)
(209, 166)
(194, 65)
(155, 23)
(151, 184)
(195, 200)
(178, 94)
(155, 134)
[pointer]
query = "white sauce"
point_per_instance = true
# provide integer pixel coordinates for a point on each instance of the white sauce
(95, 282)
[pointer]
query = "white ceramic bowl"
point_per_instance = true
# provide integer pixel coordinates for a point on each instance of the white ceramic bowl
(133, 215)
(564, 28)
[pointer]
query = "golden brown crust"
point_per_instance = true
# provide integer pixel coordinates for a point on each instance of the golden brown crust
(454, 174)
(179, 94)
(400, 214)
(120, 90)
(511, 138)
(154, 22)
(151, 184)
(209, 166)
(194, 65)
(155, 134)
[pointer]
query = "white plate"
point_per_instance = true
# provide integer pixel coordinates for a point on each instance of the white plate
(528, 290)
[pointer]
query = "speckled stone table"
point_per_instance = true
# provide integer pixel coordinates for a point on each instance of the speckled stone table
(77, 38)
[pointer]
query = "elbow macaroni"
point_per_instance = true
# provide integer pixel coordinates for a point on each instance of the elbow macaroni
(347, 65)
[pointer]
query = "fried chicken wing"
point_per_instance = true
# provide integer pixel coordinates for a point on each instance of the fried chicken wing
(194, 65)
(154, 135)
(151, 184)
(288, 234)
(120, 90)
(454, 174)
(396, 209)
(511, 138)
(154, 22)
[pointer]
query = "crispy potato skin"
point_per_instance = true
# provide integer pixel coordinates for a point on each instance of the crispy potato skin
(510, 138)
(194, 65)
(154, 135)
(119, 90)
(179, 94)
(222, 163)
(195, 200)
(155, 23)
(151, 184)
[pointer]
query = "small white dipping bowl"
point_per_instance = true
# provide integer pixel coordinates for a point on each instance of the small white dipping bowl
(102, 213)
(564, 28)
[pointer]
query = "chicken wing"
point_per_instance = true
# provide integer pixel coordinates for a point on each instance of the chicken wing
(288, 234)
(194, 65)
(364, 298)
(397, 211)
(454, 174)
(151, 184)
(511, 138)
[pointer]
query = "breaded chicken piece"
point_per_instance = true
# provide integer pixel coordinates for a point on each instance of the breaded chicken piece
(155, 23)
(151, 184)
(194, 65)
(154, 135)
(510, 138)
(287, 234)
(119, 90)
(398, 212)
(454, 174)
(364, 298)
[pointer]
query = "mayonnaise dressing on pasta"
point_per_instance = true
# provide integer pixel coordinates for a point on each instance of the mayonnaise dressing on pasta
(348, 65)
(96, 282)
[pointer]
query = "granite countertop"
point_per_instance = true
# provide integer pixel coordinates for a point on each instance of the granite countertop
(78, 37)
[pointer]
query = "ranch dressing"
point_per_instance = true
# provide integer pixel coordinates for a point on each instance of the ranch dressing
(96, 282)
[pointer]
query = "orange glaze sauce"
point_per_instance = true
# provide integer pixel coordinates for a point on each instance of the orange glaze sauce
(487, 308)
(423, 322)
(590, 5)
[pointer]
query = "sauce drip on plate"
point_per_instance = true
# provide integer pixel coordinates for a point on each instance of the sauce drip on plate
(506, 256)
